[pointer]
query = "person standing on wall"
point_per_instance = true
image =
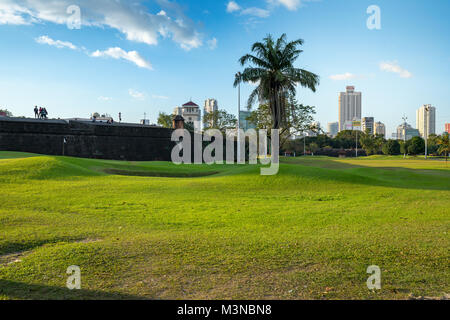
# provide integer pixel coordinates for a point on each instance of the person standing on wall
(36, 112)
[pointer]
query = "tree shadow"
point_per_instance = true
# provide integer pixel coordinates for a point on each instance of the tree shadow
(25, 291)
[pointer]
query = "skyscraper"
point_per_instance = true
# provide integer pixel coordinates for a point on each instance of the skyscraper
(426, 120)
(350, 105)
(368, 123)
(211, 106)
(380, 129)
(333, 129)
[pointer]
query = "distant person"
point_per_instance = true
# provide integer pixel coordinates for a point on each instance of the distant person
(45, 113)
(120, 117)
(40, 113)
(36, 112)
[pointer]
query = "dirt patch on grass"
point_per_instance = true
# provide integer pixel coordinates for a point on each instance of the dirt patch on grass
(159, 174)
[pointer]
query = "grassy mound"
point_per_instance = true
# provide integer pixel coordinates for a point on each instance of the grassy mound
(309, 232)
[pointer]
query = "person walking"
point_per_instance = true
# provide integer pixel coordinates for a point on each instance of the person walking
(40, 113)
(36, 112)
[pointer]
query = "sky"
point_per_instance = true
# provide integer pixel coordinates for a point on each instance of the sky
(76, 57)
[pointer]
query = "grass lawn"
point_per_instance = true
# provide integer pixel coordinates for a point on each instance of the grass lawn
(153, 230)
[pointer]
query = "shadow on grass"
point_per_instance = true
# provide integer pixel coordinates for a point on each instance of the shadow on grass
(131, 173)
(394, 177)
(25, 291)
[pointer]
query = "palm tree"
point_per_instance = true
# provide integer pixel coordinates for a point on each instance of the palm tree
(444, 145)
(272, 68)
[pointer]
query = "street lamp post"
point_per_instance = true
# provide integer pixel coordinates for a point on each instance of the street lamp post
(405, 119)
(427, 110)
(238, 75)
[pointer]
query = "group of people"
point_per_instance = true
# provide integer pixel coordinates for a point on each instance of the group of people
(40, 113)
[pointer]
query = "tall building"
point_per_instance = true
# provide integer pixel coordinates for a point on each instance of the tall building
(368, 123)
(191, 113)
(380, 129)
(333, 129)
(211, 106)
(405, 130)
(350, 105)
(426, 120)
(447, 128)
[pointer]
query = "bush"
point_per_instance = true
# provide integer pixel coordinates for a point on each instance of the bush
(391, 148)
(416, 146)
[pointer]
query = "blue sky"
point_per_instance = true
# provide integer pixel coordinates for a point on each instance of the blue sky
(150, 56)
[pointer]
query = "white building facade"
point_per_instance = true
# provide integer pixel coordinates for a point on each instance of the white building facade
(350, 108)
(426, 120)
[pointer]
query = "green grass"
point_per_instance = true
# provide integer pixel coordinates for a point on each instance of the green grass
(160, 231)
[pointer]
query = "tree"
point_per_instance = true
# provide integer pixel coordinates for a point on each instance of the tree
(220, 119)
(313, 147)
(444, 145)
(272, 68)
(299, 119)
(416, 146)
(433, 144)
(391, 147)
(165, 120)
(6, 112)
(372, 144)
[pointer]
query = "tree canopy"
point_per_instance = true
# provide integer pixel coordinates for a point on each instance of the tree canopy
(271, 67)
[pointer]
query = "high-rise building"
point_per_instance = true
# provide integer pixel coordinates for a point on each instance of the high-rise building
(350, 105)
(380, 129)
(426, 120)
(333, 129)
(405, 130)
(447, 128)
(211, 105)
(368, 123)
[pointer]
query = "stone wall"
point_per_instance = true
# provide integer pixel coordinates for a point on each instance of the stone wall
(86, 139)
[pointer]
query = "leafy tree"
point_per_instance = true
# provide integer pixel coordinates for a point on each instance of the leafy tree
(272, 68)
(220, 119)
(391, 147)
(165, 120)
(299, 119)
(313, 147)
(346, 139)
(416, 146)
(444, 145)
(433, 144)
(7, 112)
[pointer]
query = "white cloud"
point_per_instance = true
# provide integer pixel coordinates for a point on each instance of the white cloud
(257, 12)
(55, 43)
(395, 68)
(129, 17)
(212, 44)
(344, 76)
(232, 7)
(102, 98)
(118, 53)
(136, 94)
(291, 5)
